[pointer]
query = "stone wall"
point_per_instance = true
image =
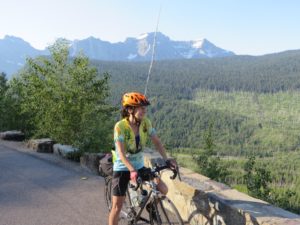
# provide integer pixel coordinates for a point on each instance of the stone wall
(13, 135)
(44, 145)
(90, 161)
(202, 201)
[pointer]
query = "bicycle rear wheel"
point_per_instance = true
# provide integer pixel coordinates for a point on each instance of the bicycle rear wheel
(164, 212)
(107, 192)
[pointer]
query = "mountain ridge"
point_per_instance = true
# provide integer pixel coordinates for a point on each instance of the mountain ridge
(15, 50)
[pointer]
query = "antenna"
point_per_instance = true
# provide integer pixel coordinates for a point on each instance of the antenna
(153, 53)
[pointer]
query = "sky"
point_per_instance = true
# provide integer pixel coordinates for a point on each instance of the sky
(246, 27)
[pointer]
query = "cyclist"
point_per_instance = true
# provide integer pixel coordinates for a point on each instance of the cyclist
(130, 136)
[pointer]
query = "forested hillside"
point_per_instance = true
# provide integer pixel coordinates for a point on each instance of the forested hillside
(269, 73)
(187, 94)
(249, 105)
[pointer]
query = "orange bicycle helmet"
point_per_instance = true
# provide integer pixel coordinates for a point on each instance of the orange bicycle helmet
(134, 99)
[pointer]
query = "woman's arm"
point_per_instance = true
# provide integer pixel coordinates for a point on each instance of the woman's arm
(121, 151)
(159, 147)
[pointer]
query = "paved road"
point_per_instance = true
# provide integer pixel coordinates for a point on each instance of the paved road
(36, 191)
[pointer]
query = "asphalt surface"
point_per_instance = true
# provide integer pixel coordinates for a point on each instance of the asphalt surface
(39, 189)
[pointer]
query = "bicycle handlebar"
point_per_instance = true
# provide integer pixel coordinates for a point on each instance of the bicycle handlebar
(153, 173)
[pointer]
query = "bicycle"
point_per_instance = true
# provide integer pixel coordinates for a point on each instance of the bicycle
(160, 209)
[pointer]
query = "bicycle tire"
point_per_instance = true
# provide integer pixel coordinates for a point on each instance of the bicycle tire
(165, 213)
(107, 192)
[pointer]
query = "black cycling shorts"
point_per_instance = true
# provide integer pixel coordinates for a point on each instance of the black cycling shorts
(121, 179)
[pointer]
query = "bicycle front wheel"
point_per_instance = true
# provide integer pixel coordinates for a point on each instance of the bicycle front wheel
(164, 212)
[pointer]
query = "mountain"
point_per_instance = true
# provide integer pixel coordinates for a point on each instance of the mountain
(14, 50)
(140, 48)
(13, 53)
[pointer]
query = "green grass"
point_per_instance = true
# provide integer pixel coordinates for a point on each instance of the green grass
(241, 188)
(281, 109)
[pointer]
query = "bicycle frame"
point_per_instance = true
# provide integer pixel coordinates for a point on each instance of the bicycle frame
(153, 195)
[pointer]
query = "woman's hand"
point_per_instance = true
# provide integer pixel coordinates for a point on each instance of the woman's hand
(133, 176)
(172, 163)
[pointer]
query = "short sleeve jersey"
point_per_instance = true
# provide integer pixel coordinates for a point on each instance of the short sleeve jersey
(124, 133)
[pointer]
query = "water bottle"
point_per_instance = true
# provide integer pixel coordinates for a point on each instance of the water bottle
(134, 197)
(143, 197)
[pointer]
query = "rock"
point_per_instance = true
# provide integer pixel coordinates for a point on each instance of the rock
(91, 161)
(44, 145)
(64, 150)
(12, 135)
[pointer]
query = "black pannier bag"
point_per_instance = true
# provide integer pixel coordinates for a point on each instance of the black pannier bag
(106, 165)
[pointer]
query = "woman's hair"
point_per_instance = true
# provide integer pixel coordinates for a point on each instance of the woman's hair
(124, 111)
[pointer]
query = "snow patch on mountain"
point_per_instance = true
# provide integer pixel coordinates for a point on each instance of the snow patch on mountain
(142, 36)
(189, 54)
(202, 52)
(131, 56)
(197, 43)
(143, 47)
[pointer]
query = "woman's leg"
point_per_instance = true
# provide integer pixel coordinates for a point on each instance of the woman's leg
(117, 202)
(161, 186)
(119, 185)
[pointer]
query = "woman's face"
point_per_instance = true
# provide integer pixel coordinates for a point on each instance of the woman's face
(140, 112)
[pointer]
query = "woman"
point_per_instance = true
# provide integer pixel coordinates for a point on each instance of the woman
(130, 136)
